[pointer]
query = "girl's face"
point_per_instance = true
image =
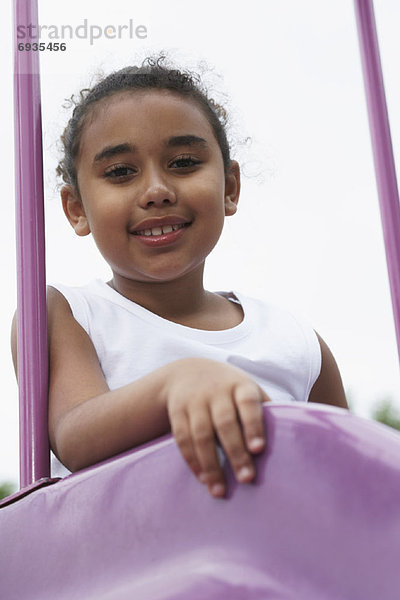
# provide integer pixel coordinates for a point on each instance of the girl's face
(153, 188)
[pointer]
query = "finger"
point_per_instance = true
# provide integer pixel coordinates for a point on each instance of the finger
(204, 443)
(227, 426)
(248, 399)
(181, 431)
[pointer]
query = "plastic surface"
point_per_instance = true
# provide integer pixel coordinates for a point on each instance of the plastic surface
(385, 170)
(321, 522)
(31, 283)
(25, 491)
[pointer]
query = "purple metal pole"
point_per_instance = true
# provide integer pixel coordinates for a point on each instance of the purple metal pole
(382, 148)
(31, 283)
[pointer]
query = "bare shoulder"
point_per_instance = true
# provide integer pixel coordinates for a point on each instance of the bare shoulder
(71, 351)
(56, 307)
(61, 325)
(328, 388)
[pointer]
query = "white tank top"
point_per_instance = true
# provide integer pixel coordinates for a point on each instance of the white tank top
(278, 350)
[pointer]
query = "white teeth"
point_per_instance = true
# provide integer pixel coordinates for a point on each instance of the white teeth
(159, 230)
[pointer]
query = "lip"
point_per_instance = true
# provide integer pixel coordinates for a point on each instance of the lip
(164, 239)
(159, 222)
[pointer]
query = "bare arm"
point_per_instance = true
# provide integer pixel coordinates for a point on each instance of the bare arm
(198, 399)
(328, 389)
(87, 421)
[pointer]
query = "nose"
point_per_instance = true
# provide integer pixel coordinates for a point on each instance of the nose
(156, 191)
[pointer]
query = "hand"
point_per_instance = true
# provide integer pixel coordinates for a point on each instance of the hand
(205, 399)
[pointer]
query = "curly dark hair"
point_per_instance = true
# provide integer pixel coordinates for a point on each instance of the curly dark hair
(152, 74)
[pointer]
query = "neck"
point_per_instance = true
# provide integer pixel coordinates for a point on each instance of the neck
(173, 300)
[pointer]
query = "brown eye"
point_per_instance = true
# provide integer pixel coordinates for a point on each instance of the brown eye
(118, 172)
(183, 162)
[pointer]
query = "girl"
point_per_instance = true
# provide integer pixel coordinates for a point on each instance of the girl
(147, 171)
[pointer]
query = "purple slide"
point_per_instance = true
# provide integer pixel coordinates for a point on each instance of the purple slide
(322, 522)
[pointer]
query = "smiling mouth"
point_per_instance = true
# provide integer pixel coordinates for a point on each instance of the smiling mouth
(157, 231)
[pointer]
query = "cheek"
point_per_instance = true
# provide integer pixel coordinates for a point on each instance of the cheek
(103, 211)
(211, 193)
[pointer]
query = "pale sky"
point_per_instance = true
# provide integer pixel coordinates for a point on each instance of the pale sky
(308, 233)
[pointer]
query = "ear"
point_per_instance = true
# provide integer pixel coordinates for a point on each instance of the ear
(74, 211)
(232, 188)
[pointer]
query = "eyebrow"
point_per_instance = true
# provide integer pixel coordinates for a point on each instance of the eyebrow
(110, 151)
(173, 142)
(186, 140)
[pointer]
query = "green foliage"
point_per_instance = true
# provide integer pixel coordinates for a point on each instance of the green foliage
(6, 489)
(385, 411)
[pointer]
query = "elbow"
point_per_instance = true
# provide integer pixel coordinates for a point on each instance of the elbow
(67, 446)
(66, 457)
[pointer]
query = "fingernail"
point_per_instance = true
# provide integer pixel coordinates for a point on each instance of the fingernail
(202, 478)
(217, 489)
(256, 444)
(244, 474)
